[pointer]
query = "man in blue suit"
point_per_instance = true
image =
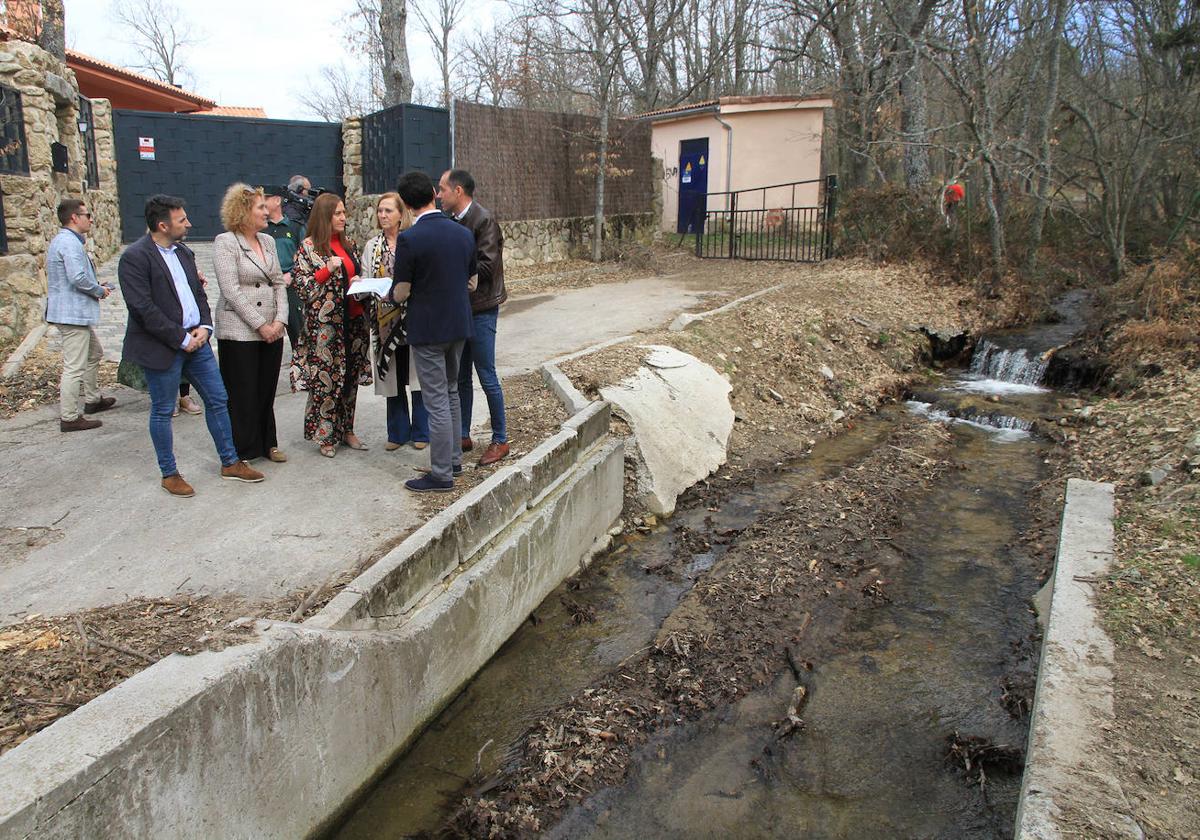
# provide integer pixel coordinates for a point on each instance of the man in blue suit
(435, 271)
(167, 334)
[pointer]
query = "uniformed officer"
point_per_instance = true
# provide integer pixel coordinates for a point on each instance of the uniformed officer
(288, 235)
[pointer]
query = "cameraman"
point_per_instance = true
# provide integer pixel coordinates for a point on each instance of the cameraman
(297, 204)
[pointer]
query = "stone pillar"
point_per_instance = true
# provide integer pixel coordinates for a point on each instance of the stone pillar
(360, 207)
(105, 238)
(45, 85)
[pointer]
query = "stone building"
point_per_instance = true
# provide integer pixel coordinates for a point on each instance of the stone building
(55, 144)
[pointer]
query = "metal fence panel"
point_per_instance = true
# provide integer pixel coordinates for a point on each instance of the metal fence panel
(198, 157)
(401, 138)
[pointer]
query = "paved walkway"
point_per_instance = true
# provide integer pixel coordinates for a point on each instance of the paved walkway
(115, 535)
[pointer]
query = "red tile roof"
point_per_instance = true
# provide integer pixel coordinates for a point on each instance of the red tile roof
(232, 111)
(78, 58)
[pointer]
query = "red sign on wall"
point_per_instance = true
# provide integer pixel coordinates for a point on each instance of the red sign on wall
(146, 148)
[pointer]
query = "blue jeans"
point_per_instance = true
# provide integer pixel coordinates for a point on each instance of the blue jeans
(480, 352)
(400, 427)
(199, 368)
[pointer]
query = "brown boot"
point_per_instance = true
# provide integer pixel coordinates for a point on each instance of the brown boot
(176, 486)
(467, 445)
(102, 404)
(79, 424)
(241, 471)
(493, 453)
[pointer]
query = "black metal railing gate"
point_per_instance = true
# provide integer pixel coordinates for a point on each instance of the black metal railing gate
(790, 222)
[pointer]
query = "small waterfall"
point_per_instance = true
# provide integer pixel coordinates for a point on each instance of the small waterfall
(1007, 427)
(1016, 366)
(993, 419)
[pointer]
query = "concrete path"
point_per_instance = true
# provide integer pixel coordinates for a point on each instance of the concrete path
(114, 534)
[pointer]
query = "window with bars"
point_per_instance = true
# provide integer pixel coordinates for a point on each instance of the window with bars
(87, 135)
(14, 157)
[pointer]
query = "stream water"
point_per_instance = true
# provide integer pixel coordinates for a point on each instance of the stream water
(903, 676)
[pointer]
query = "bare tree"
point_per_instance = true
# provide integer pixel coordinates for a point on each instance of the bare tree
(647, 27)
(162, 35)
(438, 23)
(1043, 122)
(585, 34)
(490, 72)
(397, 75)
(337, 93)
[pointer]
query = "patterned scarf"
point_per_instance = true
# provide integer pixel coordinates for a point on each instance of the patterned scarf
(388, 315)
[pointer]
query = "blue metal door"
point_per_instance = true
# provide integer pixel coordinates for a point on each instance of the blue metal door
(693, 185)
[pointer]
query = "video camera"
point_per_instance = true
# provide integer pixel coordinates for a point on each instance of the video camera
(296, 206)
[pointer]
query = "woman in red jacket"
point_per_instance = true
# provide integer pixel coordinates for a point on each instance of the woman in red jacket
(336, 358)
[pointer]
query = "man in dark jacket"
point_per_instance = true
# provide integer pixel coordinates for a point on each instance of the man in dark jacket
(434, 269)
(168, 334)
(456, 189)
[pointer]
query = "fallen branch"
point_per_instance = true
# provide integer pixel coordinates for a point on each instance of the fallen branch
(114, 646)
(910, 452)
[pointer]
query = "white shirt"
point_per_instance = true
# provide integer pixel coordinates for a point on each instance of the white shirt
(187, 300)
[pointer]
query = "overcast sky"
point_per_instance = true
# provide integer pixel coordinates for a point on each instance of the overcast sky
(253, 52)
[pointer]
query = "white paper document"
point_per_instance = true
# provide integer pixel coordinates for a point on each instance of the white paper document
(378, 286)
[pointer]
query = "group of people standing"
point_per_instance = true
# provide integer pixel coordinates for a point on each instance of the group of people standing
(418, 344)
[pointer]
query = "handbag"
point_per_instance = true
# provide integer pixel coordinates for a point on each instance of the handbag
(131, 375)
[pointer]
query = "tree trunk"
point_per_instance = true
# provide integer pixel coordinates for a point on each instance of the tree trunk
(914, 122)
(993, 201)
(397, 76)
(53, 37)
(601, 169)
(1041, 137)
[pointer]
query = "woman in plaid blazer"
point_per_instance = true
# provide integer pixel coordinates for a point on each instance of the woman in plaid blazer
(252, 314)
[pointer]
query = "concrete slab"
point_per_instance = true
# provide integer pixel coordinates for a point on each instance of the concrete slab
(558, 382)
(577, 318)
(1067, 764)
(679, 410)
(120, 536)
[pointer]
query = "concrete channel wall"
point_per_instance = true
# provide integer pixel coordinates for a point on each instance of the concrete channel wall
(273, 738)
(1067, 770)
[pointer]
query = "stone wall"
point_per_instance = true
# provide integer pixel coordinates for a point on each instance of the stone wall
(532, 241)
(49, 100)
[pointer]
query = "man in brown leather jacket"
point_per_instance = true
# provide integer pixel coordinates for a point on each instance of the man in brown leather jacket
(456, 190)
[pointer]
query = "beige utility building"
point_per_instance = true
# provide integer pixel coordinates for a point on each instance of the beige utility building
(738, 143)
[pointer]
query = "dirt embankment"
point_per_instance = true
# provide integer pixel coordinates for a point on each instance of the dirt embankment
(1142, 441)
(836, 341)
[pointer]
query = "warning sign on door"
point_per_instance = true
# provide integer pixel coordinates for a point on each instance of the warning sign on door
(146, 148)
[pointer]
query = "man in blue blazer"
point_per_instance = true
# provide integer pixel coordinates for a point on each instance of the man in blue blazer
(167, 334)
(435, 271)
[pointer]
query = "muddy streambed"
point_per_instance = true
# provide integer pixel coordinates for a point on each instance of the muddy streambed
(946, 646)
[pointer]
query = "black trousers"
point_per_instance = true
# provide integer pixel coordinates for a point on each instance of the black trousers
(251, 373)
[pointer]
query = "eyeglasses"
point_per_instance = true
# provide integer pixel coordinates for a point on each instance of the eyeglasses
(86, 215)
